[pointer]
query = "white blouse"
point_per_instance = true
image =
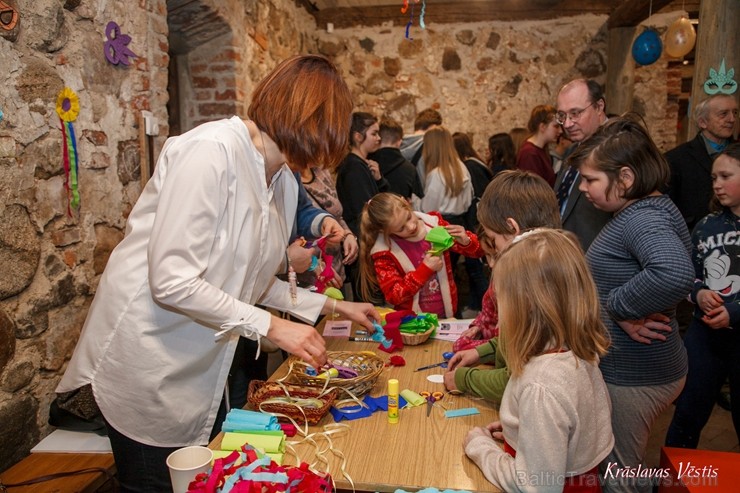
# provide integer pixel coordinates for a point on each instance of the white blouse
(202, 247)
(437, 196)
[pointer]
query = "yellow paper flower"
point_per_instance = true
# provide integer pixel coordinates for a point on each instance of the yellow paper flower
(68, 105)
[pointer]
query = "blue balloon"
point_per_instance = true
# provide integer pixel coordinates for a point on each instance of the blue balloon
(647, 47)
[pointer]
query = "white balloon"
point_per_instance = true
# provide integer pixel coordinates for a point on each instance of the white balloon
(680, 38)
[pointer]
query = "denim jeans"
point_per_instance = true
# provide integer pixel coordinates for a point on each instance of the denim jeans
(714, 355)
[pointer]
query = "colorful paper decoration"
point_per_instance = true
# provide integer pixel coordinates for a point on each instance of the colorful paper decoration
(721, 82)
(440, 240)
(411, 17)
(68, 107)
(680, 38)
(647, 47)
(116, 48)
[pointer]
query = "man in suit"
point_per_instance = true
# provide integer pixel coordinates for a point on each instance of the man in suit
(691, 162)
(581, 110)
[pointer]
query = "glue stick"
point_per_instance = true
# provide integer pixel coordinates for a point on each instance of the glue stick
(393, 401)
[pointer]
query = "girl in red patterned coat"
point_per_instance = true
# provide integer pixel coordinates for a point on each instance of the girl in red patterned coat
(394, 256)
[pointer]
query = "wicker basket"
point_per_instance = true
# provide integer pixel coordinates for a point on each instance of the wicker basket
(418, 338)
(260, 391)
(367, 366)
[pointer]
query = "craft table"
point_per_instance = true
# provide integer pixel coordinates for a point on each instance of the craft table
(416, 453)
(43, 463)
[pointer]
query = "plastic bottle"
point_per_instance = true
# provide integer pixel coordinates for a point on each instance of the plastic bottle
(393, 401)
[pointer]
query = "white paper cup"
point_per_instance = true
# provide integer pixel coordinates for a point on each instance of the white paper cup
(186, 463)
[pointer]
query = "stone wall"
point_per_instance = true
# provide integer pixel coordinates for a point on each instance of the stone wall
(484, 78)
(51, 261)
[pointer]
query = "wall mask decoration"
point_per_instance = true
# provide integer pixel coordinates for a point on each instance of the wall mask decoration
(116, 48)
(721, 81)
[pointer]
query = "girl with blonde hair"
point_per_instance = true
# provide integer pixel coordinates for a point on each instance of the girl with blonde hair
(555, 414)
(395, 256)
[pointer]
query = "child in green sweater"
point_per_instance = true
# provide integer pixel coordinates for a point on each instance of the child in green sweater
(514, 202)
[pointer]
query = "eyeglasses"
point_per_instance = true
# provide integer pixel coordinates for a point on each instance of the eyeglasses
(574, 115)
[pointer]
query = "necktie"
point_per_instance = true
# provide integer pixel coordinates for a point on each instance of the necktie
(564, 188)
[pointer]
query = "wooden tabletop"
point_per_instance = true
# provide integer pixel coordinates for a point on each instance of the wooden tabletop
(417, 452)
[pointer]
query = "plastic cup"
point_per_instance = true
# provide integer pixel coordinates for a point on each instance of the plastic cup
(186, 463)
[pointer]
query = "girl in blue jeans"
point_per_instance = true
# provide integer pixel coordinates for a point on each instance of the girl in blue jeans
(713, 338)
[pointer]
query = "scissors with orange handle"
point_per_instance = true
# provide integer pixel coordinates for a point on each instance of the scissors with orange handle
(431, 398)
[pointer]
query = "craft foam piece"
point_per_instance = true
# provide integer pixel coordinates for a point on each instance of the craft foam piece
(243, 420)
(456, 413)
(440, 240)
(412, 397)
(271, 444)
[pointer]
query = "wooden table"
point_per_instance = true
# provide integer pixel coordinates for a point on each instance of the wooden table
(416, 453)
(42, 464)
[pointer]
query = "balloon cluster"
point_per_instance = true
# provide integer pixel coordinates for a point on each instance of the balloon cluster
(679, 41)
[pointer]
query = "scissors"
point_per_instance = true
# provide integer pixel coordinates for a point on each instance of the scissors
(443, 364)
(431, 398)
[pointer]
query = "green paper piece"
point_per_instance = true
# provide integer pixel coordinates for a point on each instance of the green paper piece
(412, 398)
(270, 443)
(440, 240)
(333, 293)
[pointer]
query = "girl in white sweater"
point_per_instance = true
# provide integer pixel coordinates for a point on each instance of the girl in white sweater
(555, 412)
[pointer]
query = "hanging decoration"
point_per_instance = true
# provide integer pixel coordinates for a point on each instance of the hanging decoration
(680, 38)
(721, 82)
(647, 47)
(68, 107)
(410, 23)
(116, 48)
(8, 16)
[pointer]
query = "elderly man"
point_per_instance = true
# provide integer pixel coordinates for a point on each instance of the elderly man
(691, 162)
(581, 110)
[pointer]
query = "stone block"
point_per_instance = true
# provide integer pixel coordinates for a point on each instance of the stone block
(106, 239)
(451, 60)
(7, 339)
(466, 37)
(19, 431)
(19, 250)
(493, 40)
(65, 237)
(18, 374)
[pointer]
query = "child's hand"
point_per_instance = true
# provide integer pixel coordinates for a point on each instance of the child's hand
(708, 300)
(644, 330)
(469, 357)
(475, 433)
(434, 262)
(459, 233)
(496, 430)
(449, 377)
(718, 318)
(471, 332)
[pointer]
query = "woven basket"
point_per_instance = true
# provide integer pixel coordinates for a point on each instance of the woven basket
(260, 391)
(416, 339)
(368, 368)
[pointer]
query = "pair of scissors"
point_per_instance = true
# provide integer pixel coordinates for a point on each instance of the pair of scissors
(431, 398)
(443, 364)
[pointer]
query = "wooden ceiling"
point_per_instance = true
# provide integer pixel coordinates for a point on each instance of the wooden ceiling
(350, 13)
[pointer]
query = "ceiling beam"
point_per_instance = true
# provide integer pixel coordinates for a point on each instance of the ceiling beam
(461, 12)
(630, 13)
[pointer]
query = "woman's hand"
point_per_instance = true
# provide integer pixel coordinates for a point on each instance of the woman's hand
(302, 340)
(374, 169)
(332, 230)
(350, 248)
(644, 330)
(361, 313)
(300, 257)
(434, 262)
(469, 357)
(459, 233)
